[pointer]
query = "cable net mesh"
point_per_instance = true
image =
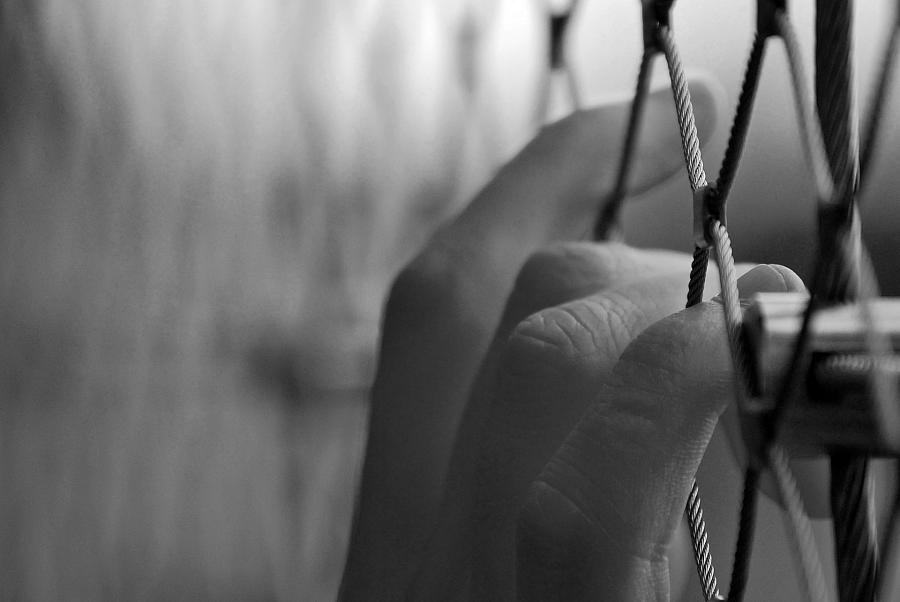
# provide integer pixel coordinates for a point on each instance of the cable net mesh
(358, 125)
(832, 147)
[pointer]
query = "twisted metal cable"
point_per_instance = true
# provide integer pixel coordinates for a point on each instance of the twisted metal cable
(810, 130)
(851, 505)
(855, 536)
(608, 220)
(746, 528)
(802, 537)
(690, 141)
(697, 280)
(889, 541)
(700, 543)
(855, 540)
(876, 111)
(731, 301)
(733, 324)
(733, 320)
(741, 124)
(727, 171)
(835, 100)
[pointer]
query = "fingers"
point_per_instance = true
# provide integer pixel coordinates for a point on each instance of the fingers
(553, 366)
(550, 277)
(442, 311)
(604, 509)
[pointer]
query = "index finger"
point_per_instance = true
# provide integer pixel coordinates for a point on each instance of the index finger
(603, 511)
(444, 308)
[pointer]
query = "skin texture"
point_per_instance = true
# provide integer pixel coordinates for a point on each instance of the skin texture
(444, 308)
(535, 430)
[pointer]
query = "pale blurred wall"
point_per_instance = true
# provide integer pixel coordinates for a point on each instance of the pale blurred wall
(201, 205)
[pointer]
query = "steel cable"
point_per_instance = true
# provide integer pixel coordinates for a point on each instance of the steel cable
(810, 130)
(608, 221)
(738, 134)
(855, 540)
(746, 528)
(690, 141)
(799, 527)
(876, 111)
(833, 150)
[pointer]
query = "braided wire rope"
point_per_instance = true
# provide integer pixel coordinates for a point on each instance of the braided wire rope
(698, 181)
(607, 224)
(690, 142)
(799, 527)
(841, 272)
(855, 540)
(859, 527)
(733, 324)
(876, 110)
(741, 124)
(810, 130)
(830, 147)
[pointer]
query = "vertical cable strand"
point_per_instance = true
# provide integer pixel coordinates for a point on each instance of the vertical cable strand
(855, 542)
(697, 280)
(690, 141)
(876, 111)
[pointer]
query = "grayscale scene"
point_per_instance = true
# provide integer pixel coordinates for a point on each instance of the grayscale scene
(449, 300)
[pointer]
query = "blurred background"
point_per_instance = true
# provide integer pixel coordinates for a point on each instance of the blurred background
(202, 204)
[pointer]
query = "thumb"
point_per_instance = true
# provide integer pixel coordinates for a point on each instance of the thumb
(600, 517)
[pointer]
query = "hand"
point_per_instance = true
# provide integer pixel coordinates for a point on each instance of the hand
(606, 505)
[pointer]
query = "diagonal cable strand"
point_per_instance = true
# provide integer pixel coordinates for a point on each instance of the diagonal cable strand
(690, 141)
(876, 111)
(855, 540)
(733, 323)
(608, 220)
(804, 542)
(834, 90)
(810, 130)
(744, 546)
(700, 542)
(741, 123)
(731, 301)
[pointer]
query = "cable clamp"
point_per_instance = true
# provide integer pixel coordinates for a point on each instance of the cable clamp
(766, 13)
(656, 14)
(834, 405)
(709, 206)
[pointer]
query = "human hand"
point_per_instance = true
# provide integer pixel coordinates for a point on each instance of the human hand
(533, 386)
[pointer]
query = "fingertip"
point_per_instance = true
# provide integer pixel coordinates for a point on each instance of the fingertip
(769, 278)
